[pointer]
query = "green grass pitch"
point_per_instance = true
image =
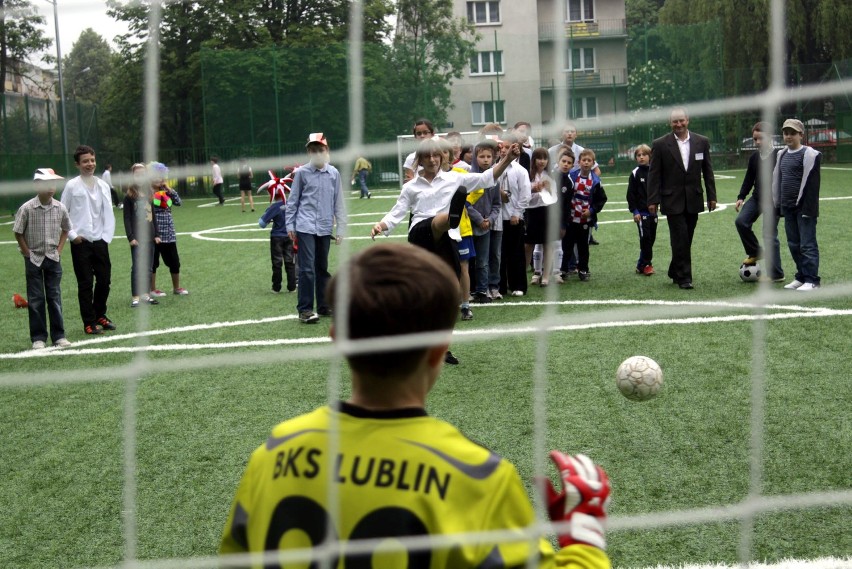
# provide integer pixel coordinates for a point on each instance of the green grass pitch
(61, 441)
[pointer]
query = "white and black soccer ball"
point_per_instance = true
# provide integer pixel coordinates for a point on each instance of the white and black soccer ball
(639, 378)
(750, 273)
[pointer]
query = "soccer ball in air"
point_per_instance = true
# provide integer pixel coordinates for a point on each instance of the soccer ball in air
(750, 273)
(639, 378)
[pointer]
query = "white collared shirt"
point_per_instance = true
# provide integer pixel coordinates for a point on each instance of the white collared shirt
(90, 210)
(684, 150)
(515, 181)
(426, 199)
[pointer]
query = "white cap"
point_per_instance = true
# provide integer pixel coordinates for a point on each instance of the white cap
(46, 174)
(318, 138)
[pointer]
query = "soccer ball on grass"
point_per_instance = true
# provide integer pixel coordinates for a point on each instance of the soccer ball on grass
(750, 273)
(639, 378)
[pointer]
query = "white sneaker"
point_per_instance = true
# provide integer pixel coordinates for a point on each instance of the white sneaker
(793, 285)
(61, 343)
(38, 345)
(536, 279)
(517, 293)
(557, 278)
(807, 286)
(495, 294)
(454, 234)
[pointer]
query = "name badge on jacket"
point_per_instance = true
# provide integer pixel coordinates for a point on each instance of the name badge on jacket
(699, 156)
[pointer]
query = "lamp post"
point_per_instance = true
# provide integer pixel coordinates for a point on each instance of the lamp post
(61, 86)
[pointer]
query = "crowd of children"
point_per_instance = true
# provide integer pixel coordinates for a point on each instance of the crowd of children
(492, 211)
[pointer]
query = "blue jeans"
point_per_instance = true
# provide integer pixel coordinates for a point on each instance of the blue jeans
(801, 238)
(748, 215)
(482, 245)
(362, 179)
(313, 271)
(494, 253)
(45, 298)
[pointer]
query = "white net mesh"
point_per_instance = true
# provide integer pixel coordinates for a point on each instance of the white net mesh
(766, 305)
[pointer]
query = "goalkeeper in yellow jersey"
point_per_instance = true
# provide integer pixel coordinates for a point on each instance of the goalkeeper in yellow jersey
(392, 470)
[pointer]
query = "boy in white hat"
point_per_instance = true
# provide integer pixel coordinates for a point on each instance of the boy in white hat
(314, 207)
(41, 229)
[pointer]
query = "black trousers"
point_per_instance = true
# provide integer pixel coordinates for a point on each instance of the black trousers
(93, 270)
(576, 235)
(513, 266)
(647, 236)
(681, 230)
(281, 252)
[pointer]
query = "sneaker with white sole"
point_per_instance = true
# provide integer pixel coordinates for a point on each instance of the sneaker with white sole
(517, 293)
(308, 317)
(794, 285)
(181, 291)
(808, 287)
(536, 279)
(495, 294)
(39, 345)
(157, 292)
(61, 343)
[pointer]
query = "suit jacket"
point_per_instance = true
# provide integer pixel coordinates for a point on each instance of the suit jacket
(679, 190)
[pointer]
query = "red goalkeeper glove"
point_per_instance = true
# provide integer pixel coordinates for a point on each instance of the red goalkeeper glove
(582, 502)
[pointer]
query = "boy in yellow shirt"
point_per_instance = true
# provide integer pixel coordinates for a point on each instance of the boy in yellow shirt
(395, 471)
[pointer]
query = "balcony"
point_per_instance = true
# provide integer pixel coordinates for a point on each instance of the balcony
(549, 31)
(585, 79)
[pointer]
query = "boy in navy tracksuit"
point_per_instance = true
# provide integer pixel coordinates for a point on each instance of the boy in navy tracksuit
(280, 244)
(580, 211)
(637, 203)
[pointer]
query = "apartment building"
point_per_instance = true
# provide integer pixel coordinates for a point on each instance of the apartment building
(518, 72)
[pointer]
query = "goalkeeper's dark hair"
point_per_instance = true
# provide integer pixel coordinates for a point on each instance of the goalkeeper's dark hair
(395, 289)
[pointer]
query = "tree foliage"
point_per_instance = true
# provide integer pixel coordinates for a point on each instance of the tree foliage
(431, 48)
(20, 36)
(87, 67)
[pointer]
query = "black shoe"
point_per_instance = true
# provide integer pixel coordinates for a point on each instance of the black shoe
(466, 314)
(449, 358)
(324, 311)
(686, 285)
(593, 241)
(457, 206)
(481, 298)
(106, 323)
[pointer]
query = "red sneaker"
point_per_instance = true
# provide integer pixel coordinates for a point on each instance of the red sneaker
(648, 270)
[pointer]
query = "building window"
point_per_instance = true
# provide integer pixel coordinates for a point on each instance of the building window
(486, 63)
(483, 112)
(579, 10)
(581, 59)
(483, 12)
(585, 108)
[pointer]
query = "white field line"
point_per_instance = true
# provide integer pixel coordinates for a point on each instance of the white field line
(792, 312)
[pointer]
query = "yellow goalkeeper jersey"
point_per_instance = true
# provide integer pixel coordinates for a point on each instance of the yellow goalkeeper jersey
(396, 473)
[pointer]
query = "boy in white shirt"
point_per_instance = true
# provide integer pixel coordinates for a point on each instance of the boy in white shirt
(89, 205)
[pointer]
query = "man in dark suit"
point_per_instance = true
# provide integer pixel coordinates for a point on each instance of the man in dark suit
(678, 162)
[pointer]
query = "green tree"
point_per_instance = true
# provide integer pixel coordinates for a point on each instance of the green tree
(642, 17)
(431, 48)
(20, 36)
(87, 67)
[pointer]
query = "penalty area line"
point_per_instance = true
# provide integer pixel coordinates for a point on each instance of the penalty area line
(479, 332)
